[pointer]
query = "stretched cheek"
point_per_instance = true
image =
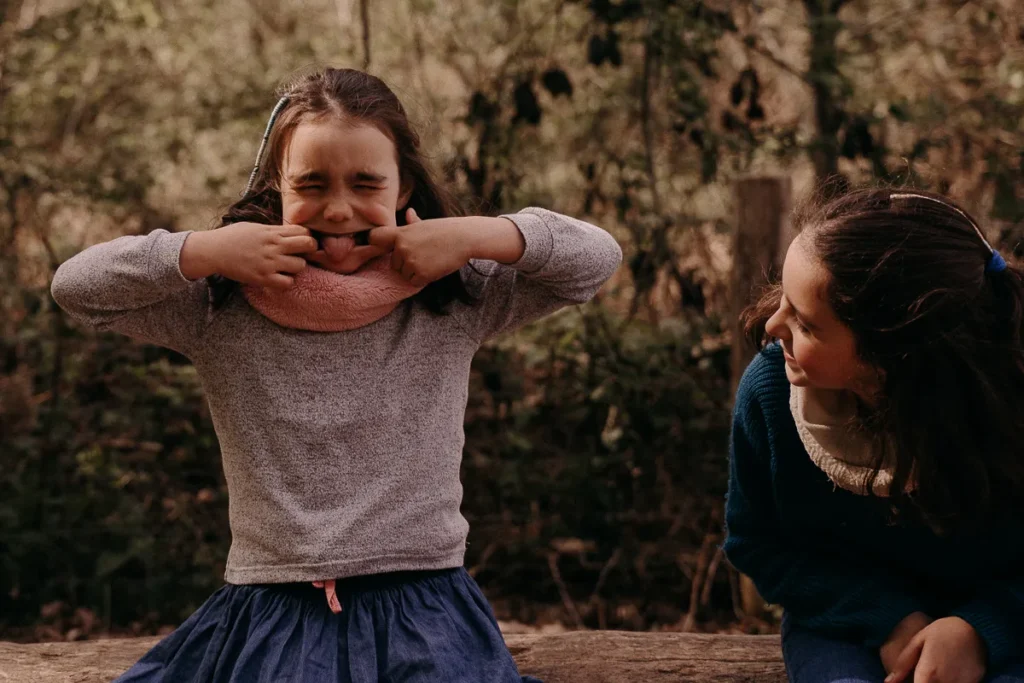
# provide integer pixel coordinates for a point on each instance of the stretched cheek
(299, 212)
(379, 211)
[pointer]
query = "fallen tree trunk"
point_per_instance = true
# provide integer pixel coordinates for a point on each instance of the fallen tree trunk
(575, 657)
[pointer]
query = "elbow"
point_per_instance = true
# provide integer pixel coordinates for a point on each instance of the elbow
(754, 560)
(611, 256)
(740, 552)
(734, 552)
(70, 292)
(62, 287)
(606, 257)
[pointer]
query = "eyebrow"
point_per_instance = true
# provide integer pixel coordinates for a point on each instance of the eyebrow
(368, 177)
(308, 177)
(321, 177)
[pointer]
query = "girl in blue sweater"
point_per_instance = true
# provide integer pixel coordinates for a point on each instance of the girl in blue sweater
(877, 460)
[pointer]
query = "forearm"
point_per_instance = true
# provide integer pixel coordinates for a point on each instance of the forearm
(197, 259)
(824, 594)
(133, 285)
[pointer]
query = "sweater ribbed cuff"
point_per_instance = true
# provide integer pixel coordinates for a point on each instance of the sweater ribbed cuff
(886, 615)
(996, 628)
(165, 258)
(540, 241)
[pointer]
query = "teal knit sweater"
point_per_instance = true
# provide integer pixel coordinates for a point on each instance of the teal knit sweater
(834, 560)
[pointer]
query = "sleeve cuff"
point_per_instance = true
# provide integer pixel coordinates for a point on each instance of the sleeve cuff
(996, 629)
(165, 258)
(887, 617)
(540, 241)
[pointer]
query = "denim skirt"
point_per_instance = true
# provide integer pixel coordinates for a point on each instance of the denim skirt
(400, 627)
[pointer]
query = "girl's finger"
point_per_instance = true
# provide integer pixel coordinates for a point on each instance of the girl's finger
(408, 271)
(280, 281)
(290, 264)
(397, 261)
(294, 230)
(355, 259)
(384, 237)
(907, 660)
(299, 244)
(319, 257)
(364, 254)
(411, 216)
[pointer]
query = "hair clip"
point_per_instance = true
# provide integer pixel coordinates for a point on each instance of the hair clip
(996, 263)
(263, 144)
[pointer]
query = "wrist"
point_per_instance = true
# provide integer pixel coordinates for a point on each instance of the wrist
(971, 634)
(909, 626)
(494, 239)
(197, 259)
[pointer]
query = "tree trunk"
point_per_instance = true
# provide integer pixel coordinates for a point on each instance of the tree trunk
(364, 16)
(762, 236)
(828, 84)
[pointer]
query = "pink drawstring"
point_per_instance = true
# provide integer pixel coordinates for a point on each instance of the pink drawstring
(332, 597)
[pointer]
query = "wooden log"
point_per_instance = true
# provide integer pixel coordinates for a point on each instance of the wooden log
(574, 657)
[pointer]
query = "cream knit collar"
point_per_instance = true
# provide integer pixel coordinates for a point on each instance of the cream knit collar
(839, 450)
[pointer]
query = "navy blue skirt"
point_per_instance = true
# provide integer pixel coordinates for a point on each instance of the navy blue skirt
(403, 627)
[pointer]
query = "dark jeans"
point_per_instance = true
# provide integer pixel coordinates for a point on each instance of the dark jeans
(811, 658)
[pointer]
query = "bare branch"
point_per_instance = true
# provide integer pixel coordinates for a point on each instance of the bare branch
(364, 15)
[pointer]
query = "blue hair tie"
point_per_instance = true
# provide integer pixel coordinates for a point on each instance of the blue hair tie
(996, 263)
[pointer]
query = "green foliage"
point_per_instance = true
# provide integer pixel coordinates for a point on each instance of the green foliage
(111, 486)
(587, 439)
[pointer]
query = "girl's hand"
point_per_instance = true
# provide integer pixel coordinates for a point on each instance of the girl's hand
(900, 637)
(946, 651)
(425, 251)
(250, 253)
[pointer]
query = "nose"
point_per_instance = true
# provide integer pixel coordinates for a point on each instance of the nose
(338, 209)
(776, 326)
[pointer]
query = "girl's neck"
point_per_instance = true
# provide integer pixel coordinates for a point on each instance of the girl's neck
(835, 401)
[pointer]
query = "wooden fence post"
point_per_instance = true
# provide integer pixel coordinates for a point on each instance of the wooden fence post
(762, 236)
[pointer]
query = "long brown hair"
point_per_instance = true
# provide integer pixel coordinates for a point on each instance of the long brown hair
(909, 275)
(354, 96)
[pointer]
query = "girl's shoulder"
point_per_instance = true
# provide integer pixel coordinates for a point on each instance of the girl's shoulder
(764, 388)
(765, 376)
